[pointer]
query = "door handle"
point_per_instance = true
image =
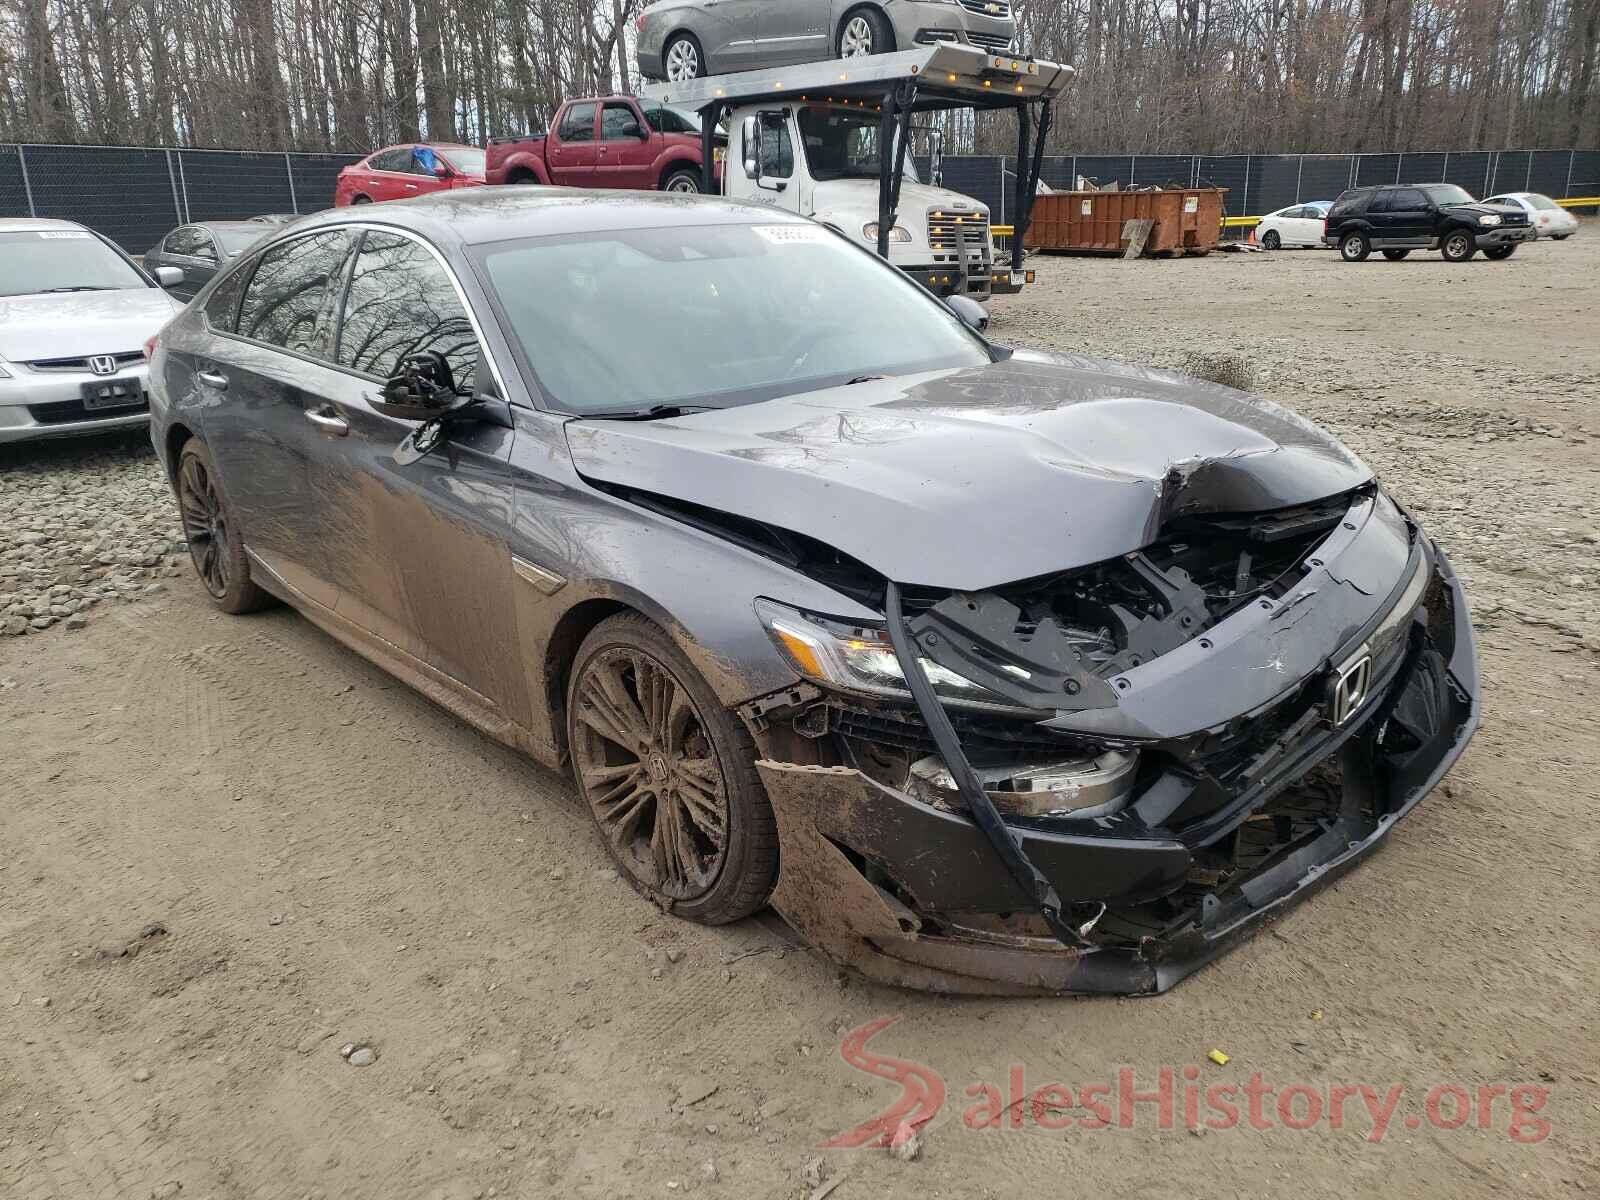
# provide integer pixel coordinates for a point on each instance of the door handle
(331, 424)
(411, 187)
(212, 379)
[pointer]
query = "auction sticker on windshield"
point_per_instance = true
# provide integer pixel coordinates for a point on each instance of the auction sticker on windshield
(56, 235)
(792, 233)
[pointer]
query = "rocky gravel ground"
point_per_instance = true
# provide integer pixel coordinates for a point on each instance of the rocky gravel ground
(82, 523)
(274, 926)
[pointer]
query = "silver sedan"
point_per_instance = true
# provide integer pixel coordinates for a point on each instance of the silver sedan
(75, 313)
(685, 39)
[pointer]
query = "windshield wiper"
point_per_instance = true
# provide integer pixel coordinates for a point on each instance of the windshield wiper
(863, 379)
(652, 413)
(80, 287)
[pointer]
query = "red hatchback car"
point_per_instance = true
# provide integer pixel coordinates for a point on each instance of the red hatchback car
(397, 172)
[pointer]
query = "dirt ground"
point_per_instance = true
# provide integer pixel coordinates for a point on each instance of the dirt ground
(228, 847)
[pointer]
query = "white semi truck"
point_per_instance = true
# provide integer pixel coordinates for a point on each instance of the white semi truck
(809, 138)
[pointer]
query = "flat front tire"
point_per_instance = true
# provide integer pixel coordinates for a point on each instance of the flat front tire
(1354, 247)
(668, 775)
(216, 546)
(1458, 246)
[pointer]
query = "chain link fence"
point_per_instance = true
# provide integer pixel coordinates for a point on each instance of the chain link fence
(134, 195)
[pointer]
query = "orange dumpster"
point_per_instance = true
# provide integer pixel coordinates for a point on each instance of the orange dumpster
(1185, 221)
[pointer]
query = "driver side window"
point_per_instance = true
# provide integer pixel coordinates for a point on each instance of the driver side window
(776, 150)
(402, 302)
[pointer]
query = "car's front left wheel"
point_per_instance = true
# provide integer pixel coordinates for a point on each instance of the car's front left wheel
(1458, 246)
(216, 546)
(669, 775)
(865, 31)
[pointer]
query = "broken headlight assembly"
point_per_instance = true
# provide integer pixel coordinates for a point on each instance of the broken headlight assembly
(859, 658)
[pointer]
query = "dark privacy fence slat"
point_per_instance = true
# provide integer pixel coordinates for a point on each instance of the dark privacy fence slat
(135, 195)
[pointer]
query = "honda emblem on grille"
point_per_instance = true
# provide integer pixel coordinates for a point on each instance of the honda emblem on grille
(1347, 690)
(103, 364)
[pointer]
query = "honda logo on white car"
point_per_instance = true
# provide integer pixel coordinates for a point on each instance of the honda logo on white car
(1349, 686)
(103, 364)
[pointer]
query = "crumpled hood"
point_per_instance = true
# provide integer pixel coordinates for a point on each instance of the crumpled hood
(975, 477)
(78, 324)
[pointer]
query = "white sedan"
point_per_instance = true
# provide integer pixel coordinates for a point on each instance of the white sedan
(1548, 218)
(1297, 225)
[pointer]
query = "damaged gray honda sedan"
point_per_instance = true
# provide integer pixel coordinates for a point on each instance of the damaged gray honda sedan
(992, 670)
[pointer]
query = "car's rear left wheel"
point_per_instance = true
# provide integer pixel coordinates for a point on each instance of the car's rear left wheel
(683, 181)
(216, 546)
(683, 59)
(669, 775)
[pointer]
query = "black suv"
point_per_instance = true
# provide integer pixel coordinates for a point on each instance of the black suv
(1400, 218)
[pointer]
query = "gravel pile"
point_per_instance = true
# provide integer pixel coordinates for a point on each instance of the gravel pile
(82, 523)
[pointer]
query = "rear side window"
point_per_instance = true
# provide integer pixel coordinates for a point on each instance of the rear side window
(577, 124)
(222, 307)
(400, 302)
(391, 160)
(287, 289)
(184, 240)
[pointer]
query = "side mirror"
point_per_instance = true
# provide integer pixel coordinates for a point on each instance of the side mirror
(169, 276)
(750, 140)
(634, 130)
(440, 171)
(972, 314)
(422, 389)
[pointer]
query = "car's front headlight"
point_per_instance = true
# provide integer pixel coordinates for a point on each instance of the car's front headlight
(897, 234)
(857, 658)
(1488, 219)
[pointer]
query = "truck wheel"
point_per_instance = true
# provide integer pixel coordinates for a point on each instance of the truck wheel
(669, 775)
(1270, 240)
(524, 178)
(1499, 252)
(361, 200)
(865, 31)
(683, 58)
(1458, 246)
(684, 179)
(1354, 247)
(1395, 255)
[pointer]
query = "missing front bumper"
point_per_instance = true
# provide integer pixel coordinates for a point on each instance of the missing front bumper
(869, 873)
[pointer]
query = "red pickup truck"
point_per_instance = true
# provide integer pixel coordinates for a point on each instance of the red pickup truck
(606, 142)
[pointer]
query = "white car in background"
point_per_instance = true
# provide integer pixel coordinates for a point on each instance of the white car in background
(1297, 225)
(75, 313)
(1548, 218)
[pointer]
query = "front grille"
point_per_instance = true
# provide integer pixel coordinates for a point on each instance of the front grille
(990, 41)
(959, 236)
(59, 412)
(987, 8)
(82, 364)
(982, 736)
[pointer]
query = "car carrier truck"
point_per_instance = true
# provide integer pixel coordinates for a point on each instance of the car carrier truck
(810, 138)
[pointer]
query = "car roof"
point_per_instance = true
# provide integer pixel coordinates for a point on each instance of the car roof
(37, 224)
(472, 216)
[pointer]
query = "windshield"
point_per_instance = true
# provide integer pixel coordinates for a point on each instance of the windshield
(841, 144)
(465, 159)
(235, 240)
(61, 260)
(712, 315)
(1448, 193)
